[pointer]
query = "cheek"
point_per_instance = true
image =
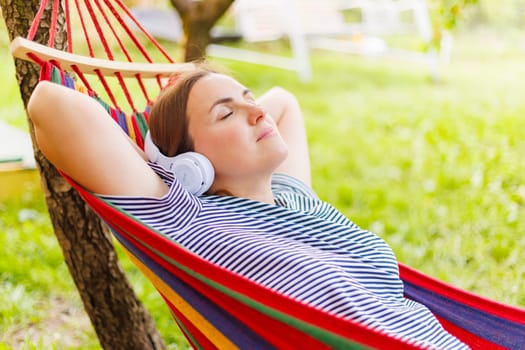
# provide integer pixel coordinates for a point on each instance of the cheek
(221, 144)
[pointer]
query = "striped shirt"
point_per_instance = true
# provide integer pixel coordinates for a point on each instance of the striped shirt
(301, 246)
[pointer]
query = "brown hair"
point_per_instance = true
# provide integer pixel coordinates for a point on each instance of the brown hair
(168, 118)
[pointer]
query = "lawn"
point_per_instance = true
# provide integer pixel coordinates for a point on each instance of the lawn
(436, 169)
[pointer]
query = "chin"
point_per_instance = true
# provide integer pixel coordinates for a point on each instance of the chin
(279, 156)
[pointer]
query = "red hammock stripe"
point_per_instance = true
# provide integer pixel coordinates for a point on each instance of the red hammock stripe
(36, 59)
(52, 28)
(36, 21)
(98, 29)
(155, 43)
(138, 134)
(68, 26)
(262, 324)
(84, 30)
(107, 89)
(132, 36)
(112, 29)
(82, 77)
(126, 91)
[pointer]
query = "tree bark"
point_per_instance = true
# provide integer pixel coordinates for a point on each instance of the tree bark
(119, 319)
(198, 18)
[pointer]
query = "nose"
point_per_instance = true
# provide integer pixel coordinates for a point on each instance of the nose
(255, 113)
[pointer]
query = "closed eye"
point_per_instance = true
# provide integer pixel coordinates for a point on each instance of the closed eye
(225, 116)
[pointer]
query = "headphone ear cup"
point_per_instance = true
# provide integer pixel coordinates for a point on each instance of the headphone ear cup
(194, 171)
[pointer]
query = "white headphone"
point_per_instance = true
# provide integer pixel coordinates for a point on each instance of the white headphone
(193, 170)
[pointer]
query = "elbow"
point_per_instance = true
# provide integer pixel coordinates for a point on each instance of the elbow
(282, 92)
(41, 110)
(286, 97)
(39, 101)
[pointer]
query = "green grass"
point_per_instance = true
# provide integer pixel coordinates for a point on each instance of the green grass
(435, 168)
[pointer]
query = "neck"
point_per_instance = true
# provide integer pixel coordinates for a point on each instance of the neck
(259, 189)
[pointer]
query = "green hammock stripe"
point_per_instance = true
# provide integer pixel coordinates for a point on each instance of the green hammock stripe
(186, 332)
(55, 77)
(141, 122)
(329, 338)
(106, 106)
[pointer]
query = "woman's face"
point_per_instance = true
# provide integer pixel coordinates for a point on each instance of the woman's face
(231, 130)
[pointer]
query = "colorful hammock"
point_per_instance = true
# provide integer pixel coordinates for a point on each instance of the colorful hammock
(216, 308)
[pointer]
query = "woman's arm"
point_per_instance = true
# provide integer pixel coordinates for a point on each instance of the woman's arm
(76, 134)
(284, 108)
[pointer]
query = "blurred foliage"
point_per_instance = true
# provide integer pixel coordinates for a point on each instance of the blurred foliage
(450, 15)
(446, 15)
(495, 13)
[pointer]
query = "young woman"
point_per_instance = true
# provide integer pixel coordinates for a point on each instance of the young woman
(259, 218)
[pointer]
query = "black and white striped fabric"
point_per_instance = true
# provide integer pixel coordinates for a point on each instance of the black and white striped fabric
(302, 247)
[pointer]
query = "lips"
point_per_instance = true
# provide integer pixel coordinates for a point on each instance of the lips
(265, 134)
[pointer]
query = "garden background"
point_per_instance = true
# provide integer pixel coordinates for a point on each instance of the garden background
(436, 168)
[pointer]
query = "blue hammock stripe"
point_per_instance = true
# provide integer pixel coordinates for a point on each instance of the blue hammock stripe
(485, 325)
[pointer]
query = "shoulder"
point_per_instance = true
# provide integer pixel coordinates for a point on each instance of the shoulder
(177, 206)
(284, 183)
(292, 193)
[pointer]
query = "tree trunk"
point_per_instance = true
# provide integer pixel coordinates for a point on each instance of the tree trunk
(198, 18)
(119, 319)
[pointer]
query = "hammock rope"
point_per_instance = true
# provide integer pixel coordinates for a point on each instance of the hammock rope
(103, 14)
(214, 307)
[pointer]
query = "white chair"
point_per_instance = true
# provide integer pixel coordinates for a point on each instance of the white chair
(314, 24)
(322, 25)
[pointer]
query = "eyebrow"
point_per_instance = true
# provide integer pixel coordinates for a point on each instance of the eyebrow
(228, 99)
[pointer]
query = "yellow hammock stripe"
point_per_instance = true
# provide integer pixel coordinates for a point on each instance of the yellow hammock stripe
(81, 88)
(211, 333)
(131, 130)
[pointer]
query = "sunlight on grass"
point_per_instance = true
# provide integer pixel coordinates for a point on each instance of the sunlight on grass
(37, 295)
(16, 303)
